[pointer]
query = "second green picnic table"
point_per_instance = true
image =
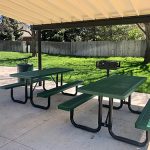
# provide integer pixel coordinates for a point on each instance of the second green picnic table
(119, 87)
(30, 76)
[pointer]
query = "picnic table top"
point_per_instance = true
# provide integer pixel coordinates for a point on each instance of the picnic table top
(116, 86)
(40, 73)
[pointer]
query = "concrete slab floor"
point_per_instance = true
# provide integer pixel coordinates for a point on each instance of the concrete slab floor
(23, 127)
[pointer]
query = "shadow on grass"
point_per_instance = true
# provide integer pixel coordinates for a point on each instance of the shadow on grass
(25, 59)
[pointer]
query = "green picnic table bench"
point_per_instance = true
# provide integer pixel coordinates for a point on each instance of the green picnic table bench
(143, 121)
(75, 102)
(51, 92)
(19, 84)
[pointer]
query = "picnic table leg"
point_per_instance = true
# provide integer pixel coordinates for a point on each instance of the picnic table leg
(32, 102)
(121, 101)
(68, 94)
(20, 101)
(86, 127)
(130, 108)
(120, 138)
(44, 87)
(56, 80)
(115, 107)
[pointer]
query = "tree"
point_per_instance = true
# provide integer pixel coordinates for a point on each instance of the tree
(10, 29)
(52, 35)
(145, 27)
(99, 33)
(72, 34)
(112, 33)
(13, 30)
(33, 43)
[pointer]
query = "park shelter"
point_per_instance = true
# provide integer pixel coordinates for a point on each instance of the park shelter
(54, 14)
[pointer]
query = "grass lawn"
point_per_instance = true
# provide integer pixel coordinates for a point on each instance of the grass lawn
(84, 67)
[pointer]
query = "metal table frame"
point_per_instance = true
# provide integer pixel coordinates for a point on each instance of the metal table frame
(29, 82)
(121, 138)
(108, 121)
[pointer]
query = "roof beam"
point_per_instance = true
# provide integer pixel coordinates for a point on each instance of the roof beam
(117, 7)
(134, 5)
(51, 10)
(41, 7)
(24, 8)
(56, 12)
(11, 9)
(97, 4)
(65, 8)
(98, 22)
(21, 19)
(83, 8)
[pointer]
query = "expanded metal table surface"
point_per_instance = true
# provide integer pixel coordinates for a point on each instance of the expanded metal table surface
(117, 86)
(40, 73)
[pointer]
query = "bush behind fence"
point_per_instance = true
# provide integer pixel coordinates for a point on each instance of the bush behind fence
(91, 48)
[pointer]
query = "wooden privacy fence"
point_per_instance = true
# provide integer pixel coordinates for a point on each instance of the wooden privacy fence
(91, 48)
(96, 48)
(14, 46)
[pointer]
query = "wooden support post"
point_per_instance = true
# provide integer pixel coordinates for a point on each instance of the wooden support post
(39, 53)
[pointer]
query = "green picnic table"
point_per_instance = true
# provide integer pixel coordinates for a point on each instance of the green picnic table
(31, 76)
(119, 87)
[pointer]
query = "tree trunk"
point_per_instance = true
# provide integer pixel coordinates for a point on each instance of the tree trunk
(33, 43)
(147, 52)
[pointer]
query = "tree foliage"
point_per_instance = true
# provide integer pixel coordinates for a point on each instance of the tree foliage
(145, 28)
(10, 29)
(99, 33)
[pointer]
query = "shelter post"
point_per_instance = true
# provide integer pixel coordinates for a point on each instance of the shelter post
(39, 52)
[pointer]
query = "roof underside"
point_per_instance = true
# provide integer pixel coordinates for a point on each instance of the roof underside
(38, 12)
